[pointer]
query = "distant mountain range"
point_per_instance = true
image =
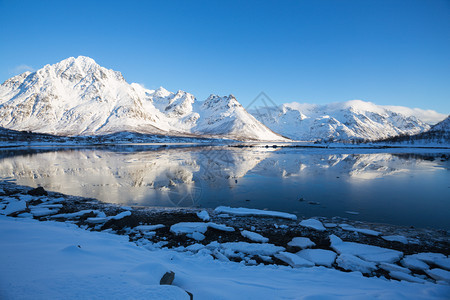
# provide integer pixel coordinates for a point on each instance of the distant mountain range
(77, 97)
(437, 134)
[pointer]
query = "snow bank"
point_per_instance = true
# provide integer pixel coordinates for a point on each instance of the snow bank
(42, 260)
(240, 211)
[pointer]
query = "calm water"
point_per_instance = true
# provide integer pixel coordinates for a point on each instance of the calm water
(396, 188)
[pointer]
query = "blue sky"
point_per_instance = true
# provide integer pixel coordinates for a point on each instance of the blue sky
(389, 52)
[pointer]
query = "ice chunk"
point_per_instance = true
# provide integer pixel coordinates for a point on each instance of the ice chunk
(395, 238)
(256, 237)
(301, 242)
(252, 248)
(102, 218)
(413, 263)
(189, 227)
(195, 247)
(443, 263)
(220, 256)
(43, 211)
(294, 260)
(352, 263)
(366, 252)
(196, 236)
(330, 225)
(429, 257)
(360, 230)
(319, 257)
(404, 276)
(313, 223)
(73, 215)
(241, 211)
(393, 267)
(14, 206)
(148, 227)
(220, 227)
(203, 215)
(121, 215)
(439, 274)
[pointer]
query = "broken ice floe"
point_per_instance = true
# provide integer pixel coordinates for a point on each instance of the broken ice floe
(367, 252)
(253, 236)
(313, 223)
(301, 242)
(294, 260)
(319, 257)
(241, 211)
(360, 230)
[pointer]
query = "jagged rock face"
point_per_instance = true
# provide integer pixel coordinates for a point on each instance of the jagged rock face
(351, 120)
(78, 97)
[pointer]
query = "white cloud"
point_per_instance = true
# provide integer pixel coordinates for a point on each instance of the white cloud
(428, 116)
(23, 68)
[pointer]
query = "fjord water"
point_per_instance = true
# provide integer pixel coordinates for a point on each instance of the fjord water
(402, 188)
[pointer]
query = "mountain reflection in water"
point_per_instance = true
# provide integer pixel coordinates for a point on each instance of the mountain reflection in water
(407, 189)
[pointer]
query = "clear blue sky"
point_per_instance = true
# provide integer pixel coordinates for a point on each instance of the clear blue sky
(389, 52)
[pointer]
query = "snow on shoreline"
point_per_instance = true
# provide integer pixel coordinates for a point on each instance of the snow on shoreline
(43, 260)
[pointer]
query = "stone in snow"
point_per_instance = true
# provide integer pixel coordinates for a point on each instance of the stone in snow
(366, 252)
(392, 267)
(414, 264)
(360, 230)
(439, 275)
(301, 242)
(241, 211)
(319, 257)
(313, 223)
(395, 238)
(350, 262)
(406, 277)
(294, 260)
(203, 215)
(253, 236)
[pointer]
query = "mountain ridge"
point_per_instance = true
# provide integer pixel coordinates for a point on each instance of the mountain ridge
(76, 96)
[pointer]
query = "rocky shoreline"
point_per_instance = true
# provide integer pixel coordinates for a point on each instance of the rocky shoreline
(230, 236)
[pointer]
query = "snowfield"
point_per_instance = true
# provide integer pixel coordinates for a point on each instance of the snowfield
(54, 260)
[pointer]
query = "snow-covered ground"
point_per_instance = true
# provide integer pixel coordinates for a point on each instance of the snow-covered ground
(54, 260)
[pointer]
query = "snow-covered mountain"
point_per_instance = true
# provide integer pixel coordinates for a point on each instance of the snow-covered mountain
(78, 97)
(351, 120)
(439, 134)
